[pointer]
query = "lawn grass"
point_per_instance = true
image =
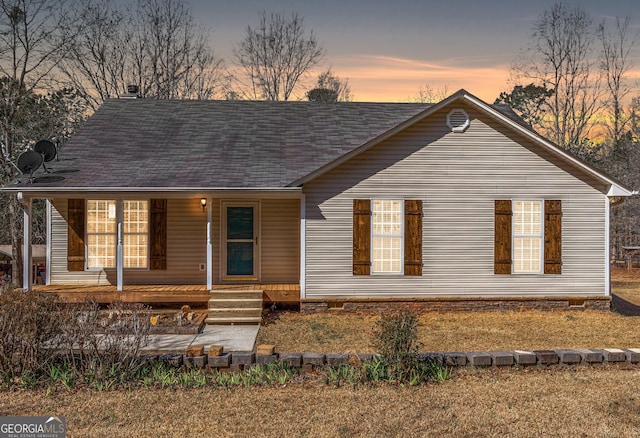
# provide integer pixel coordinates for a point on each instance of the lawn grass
(471, 331)
(579, 402)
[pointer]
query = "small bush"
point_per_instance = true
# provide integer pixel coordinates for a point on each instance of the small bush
(396, 338)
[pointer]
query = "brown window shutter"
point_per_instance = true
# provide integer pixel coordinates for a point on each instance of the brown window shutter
(552, 237)
(75, 240)
(412, 237)
(158, 234)
(361, 237)
(502, 237)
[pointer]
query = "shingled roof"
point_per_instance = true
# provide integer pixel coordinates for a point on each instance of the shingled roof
(140, 143)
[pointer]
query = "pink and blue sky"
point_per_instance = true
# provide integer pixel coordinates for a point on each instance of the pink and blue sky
(389, 49)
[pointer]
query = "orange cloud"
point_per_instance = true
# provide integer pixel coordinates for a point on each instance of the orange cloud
(390, 79)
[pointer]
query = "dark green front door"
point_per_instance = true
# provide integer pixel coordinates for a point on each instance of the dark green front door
(241, 241)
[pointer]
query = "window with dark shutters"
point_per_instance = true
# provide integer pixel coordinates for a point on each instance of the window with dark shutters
(361, 237)
(362, 245)
(413, 237)
(158, 234)
(75, 240)
(502, 237)
(552, 237)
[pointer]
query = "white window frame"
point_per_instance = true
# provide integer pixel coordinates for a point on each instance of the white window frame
(115, 235)
(515, 236)
(400, 236)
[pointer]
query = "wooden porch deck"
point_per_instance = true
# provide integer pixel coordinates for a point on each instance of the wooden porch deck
(161, 294)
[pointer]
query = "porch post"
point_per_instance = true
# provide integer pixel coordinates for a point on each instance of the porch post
(47, 279)
(26, 245)
(119, 247)
(303, 246)
(209, 247)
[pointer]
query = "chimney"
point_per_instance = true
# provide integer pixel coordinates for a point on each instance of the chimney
(133, 92)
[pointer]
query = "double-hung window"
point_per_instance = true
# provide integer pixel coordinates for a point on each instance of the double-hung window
(102, 234)
(527, 236)
(387, 237)
(136, 234)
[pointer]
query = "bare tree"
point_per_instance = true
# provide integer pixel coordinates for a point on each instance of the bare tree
(429, 94)
(276, 54)
(617, 46)
(154, 44)
(561, 59)
(34, 36)
(330, 88)
(96, 61)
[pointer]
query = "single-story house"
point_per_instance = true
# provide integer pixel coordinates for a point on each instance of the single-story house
(457, 204)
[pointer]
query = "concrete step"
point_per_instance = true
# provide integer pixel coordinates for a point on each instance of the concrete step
(234, 320)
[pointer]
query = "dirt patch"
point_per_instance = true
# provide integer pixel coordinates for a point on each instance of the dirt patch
(164, 321)
(170, 323)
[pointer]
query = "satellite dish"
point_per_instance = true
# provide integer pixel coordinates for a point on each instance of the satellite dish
(48, 151)
(29, 162)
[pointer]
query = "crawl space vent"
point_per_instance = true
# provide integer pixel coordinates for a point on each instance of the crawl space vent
(458, 120)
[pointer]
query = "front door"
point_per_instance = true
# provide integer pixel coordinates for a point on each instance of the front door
(240, 248)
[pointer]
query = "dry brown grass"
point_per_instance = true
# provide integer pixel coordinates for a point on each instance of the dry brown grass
(579, 402)
(471, 331)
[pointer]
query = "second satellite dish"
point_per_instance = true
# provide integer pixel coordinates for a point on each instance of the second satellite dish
(48, 151)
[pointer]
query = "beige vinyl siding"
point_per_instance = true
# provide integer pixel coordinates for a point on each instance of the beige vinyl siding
(457, 176)
(186, 246)
(280, 241)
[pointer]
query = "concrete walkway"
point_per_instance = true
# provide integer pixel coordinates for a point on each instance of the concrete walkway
(231, 337)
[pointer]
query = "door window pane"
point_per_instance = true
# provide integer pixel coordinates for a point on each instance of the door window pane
(240, 258)
(239, 223)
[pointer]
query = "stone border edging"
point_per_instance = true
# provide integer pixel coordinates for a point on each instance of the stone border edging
(538, 359)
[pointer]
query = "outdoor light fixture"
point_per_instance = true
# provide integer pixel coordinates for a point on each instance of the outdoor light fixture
(203, 202)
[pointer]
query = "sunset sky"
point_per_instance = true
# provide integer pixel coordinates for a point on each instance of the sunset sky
(389, 49)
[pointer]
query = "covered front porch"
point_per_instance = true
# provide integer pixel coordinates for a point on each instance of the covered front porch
(186, 245)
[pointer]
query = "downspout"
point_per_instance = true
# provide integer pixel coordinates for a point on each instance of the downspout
(607, 247)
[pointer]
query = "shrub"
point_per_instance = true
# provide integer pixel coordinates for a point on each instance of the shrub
(396, 338)
(106, 344)
(29, 326)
